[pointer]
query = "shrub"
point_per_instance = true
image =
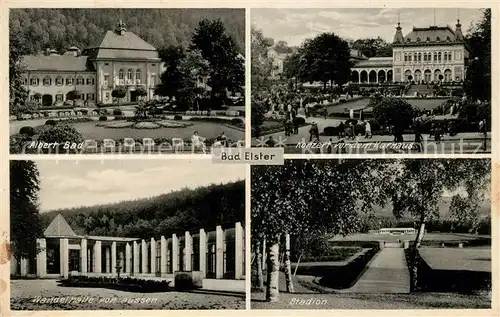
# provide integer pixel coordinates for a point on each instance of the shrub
(300, 120)
(29, 131)
(117, 112)
(119, 117)
(61, 133)
(188, 280)
(177, 117)
(103, 118)
(50, 122)
(342, 101)
(237, 121)
(330, 131)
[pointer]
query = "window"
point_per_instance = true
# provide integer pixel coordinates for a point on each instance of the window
(106, 80)
(428, 39)
(435, 56)
(448, 38)
(138, 74)
(69, 81)
(107, 96)
(59, 97)
(438, 39)
(129, 74)
(90, 81)
(59, 81)
(406, 57)
(153, 65)
(153, 80)
(409, 57)
(25, 80)
(47, 81)
(106, 64)
(408, 40)
(439, 57)
(92, 96)
(120, 74)
(80, 80)
(418, 39)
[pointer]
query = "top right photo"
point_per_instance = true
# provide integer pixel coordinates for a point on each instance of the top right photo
(372, 81)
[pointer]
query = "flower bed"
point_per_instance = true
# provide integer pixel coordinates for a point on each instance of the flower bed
(116, 125)
(171, 124)
(147, 125)
(125, 283)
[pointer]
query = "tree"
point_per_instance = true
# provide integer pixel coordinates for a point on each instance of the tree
(477, 84)
(227, 72)
(119, 93)
(282, 47)
(17, 48)
(171, 79)
(370, 47)
(74, 95)
(141, 91)
(327, 59)
(25, 225)
(261, 63)
(193, 68)
(395, 112)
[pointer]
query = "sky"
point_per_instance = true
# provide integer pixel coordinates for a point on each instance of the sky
(296, 25)
(71, 183)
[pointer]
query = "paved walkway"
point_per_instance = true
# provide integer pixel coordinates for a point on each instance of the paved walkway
(386, 273)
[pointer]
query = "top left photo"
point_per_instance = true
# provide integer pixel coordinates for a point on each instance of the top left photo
(134, 81)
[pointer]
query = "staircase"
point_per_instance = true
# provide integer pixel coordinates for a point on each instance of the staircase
(422, 89)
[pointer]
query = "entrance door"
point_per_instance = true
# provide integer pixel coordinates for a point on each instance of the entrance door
(53, 259)
(74, 260)
(133, 96)
(47, 100)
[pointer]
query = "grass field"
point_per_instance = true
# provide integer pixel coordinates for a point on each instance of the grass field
(409, 237)
(467, 259)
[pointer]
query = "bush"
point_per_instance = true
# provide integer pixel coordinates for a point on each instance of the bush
(103, 118)
(330, 131)
(61, 133)
(300, 120)
(177, 117)
(50, 122)
(188, 280)
(29, 131)
(342, 100)
(237, 122)
(117, 112)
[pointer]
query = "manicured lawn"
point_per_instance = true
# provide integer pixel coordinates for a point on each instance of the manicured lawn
(425, 104)
(468, 259)
(394, 238)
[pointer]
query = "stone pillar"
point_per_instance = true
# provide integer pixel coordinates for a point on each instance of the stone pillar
(137, 252)
(128, 257)
(203, 253)
(175, 253)
(41, 259)
(97, 257)
(107, 263)
(83, 256)
(188, 244)
(24, 267)
(153, 256)
(238, 252)
(64, 257)
(113, 257)
(144, 254)
(219, 252)
(163, 256)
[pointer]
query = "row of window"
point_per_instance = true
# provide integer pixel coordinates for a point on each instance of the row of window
(428, 57)
(121, 74)
(428, 39)
(59, 81)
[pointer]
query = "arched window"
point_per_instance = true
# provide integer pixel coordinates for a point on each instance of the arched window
(59, 81)
(70, 81)
(418, 39)
(419, 57)
(34, 81)
(120, 74)
(129, 74)
(80, 80)
(428, 39)
(438, 39)
(409, 57)
(47, 81)
(408, 40)
(435, 56)
(138, 74)
(90, 80)
(448, 38)
(439, 56)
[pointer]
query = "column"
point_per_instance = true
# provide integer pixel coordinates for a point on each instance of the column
(24, 266)
(203, 253)
(175, 253)
(153, 256)
(83, 256)
(107, 260)
(136, 257)
(113, 257)
(144, 254)
(238, 252)
(97, 257)
(128, 257)
(64, 257)
(163, 256)
(188, 243)
(219, 252)
(41, 259)
(376, 75)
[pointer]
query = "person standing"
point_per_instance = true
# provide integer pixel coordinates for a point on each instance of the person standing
(368, 130)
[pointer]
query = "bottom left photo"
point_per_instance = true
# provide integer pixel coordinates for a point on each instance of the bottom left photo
(127, 234)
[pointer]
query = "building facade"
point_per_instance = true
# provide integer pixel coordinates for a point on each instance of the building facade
(218, 254)
(432, 54)
(117, 59)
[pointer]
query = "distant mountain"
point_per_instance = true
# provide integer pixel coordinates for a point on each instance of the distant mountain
(62, 28)
(176, 212)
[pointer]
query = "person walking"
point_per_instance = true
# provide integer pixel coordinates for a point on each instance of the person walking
(368, 130)
(418, 137)
(341, 129)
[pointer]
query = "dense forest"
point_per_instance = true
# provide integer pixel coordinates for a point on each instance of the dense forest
(62, 28)
(176, 212)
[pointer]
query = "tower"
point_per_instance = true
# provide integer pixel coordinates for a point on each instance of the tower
(398, 37)
(458, 31)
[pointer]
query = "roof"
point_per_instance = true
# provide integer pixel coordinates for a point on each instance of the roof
(127, 46)
(59, 228)
(375, 62)
(444, 33)
(56, 63)
(357, 54)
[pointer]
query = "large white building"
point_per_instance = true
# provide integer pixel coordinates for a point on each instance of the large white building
(431, 54)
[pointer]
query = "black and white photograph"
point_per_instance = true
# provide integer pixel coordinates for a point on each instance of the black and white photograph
(371, 80)
(118, 81)
(126, 235)
(372, 234)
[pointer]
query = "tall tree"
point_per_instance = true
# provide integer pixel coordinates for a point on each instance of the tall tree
(371, 47)
(282, 47)
(261, 63)
(478, 81)
(17, 48)
(171, 78)
(227, 72)
(25, 225)
(327, 59)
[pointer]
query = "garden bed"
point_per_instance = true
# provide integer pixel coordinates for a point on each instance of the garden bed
(128, 284)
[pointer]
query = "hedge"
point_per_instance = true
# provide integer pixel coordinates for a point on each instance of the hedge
(124, 283)
(29, 131)
(177, 117)
(50, 122)
(103, 118)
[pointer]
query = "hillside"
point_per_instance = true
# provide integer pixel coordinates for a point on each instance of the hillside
(176, 212)
(62, 28)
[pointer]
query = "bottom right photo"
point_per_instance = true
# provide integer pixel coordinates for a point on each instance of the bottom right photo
(372, 234)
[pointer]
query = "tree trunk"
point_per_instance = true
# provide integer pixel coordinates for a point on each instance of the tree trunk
(415, 255)
(258, 281)
(288, 266)
(272, 291)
